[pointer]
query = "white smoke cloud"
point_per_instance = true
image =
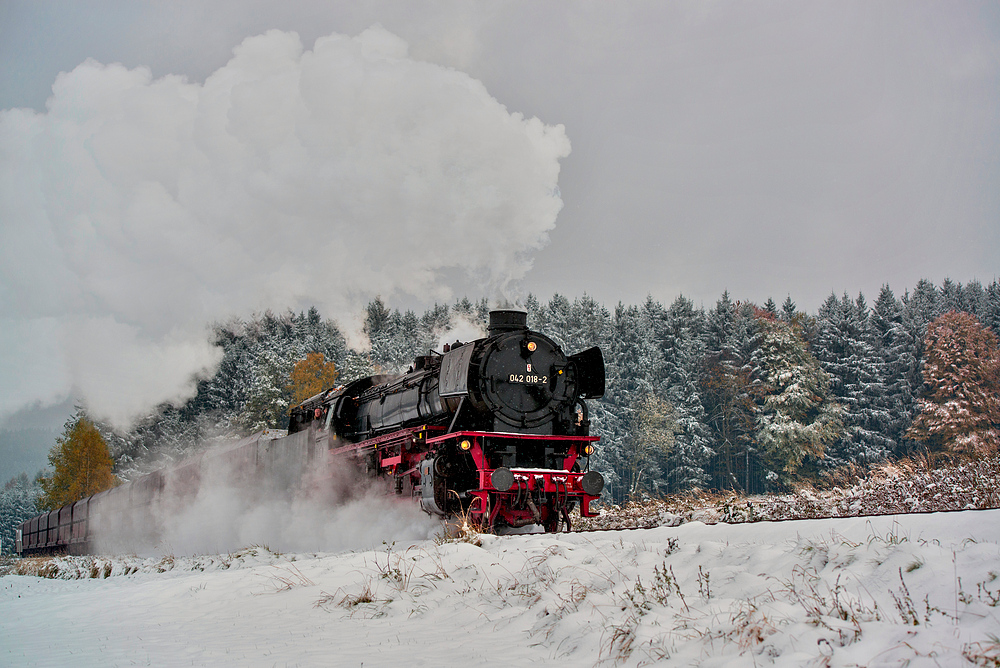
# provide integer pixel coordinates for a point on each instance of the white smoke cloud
(460, 328)
(328, 505)
(135, 211)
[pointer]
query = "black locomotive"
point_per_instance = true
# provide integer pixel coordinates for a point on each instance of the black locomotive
(497, 427)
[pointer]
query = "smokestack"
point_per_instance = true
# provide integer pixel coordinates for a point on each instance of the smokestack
(507, 321)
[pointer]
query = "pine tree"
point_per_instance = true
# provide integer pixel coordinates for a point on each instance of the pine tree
(630, 359)
(921, 307)
(483, 313)
(376, 317)
(991, 308)
(356, 365)
(730, 394)
(267, 399)
(464, 308)
(396, 337)
(721, 330)
(81, 462)
(405, 340)
(556, 316)
(577, 326)
(898, 370)
(973, 300)
(380, 325)
(960, 406)
(433, 324)
(534, 310)
(846, 350)
(788, 312)
(682, 346)
(950, 297)
(796, 421)
(18, 503)
(589, 325)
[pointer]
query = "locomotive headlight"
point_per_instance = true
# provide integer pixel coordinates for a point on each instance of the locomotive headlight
(532, 346)
(588, 449)
(465, 445)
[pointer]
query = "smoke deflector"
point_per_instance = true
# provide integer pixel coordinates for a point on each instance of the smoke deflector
(589, 372)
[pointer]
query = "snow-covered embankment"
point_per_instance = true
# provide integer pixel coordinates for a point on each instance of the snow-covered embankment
(840, 592)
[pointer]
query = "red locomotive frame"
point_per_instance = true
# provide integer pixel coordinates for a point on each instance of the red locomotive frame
(502, 496)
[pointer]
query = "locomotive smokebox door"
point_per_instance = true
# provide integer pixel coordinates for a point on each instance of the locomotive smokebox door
(523, 381)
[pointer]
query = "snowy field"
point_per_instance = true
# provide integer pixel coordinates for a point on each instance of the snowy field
(917, 590)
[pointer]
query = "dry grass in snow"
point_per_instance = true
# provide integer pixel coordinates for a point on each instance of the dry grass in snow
(888, 591)
(894, 488)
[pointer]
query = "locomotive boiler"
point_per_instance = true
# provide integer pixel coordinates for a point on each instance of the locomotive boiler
(496, 429)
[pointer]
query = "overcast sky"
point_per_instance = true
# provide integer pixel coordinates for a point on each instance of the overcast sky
(765, 148)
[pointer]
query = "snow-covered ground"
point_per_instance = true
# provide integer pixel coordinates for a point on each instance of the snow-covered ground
(898, 590)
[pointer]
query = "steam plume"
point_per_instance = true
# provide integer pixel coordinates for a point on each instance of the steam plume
(214, 504)
(134, 211)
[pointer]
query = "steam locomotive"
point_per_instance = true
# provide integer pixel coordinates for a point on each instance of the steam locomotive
(495, 430)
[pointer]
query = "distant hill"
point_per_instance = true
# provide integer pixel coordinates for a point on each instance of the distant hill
(27, 436)
(25, 450)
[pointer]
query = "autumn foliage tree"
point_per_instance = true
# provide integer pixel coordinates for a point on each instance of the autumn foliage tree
(82, 465)
(960, 406)
(310, 376)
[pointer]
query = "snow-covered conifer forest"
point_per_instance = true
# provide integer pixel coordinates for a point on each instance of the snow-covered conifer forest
(755, 397)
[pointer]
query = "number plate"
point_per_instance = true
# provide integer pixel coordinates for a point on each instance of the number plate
(528, 379)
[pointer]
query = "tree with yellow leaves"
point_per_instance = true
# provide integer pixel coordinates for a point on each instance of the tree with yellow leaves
(82, 465)
(310, 376)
